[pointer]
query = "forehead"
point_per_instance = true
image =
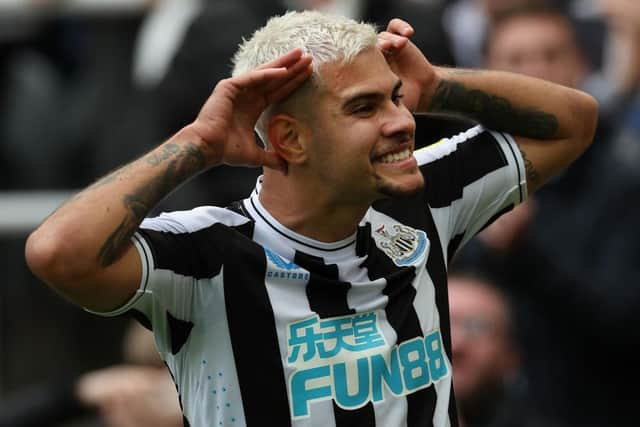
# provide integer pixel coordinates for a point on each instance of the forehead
(368, 72)
(468, 296)
(533, 30)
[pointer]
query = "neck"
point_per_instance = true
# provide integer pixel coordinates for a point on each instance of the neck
(309, 209)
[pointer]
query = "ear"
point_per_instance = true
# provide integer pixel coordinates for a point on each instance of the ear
(286, 135)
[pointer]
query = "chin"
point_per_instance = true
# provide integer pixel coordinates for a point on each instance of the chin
(407, 187)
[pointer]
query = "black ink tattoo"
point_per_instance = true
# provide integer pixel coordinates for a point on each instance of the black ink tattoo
(533, 177)
(182, 164)
(168, 150)
(493, 111)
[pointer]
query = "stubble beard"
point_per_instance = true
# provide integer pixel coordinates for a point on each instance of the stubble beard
(392, 190)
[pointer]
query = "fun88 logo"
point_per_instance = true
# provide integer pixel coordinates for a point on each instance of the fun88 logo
(347, 359)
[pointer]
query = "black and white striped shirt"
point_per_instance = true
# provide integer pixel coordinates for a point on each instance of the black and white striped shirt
(261, 326)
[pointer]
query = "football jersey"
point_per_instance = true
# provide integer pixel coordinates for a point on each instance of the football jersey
(260, 325)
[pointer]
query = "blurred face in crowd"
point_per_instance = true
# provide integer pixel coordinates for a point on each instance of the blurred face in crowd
(542, 46)
(493, 7)
(484, 356)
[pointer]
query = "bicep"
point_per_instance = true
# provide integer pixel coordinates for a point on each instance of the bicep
(113, 286)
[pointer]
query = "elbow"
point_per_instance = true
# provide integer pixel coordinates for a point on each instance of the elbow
(49, 259)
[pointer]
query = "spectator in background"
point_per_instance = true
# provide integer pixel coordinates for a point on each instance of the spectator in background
(586, 222)
(138, 393)
(623, 17)
(486, 358)
(467, 22)
(540, 41)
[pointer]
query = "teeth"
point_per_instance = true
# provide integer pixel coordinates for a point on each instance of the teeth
(396, 157)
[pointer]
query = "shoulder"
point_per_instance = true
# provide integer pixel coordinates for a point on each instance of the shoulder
(446, 146)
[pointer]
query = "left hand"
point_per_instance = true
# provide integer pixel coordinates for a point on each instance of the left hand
(131, 396)
(418, 76)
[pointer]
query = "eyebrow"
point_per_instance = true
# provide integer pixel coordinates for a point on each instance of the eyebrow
(368, 96)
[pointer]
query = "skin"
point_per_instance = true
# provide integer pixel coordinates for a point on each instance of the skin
(541, 46)
(336, 155)
(481, 344)
(84, 252)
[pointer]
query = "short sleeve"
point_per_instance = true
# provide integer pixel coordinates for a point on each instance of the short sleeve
(470, 180)
(181, 259)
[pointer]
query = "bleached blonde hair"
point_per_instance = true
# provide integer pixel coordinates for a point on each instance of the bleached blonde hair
(326, 38)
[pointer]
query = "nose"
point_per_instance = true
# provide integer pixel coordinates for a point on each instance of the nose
(398, 122)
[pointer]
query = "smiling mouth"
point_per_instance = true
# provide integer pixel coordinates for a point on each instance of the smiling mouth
(396, 157)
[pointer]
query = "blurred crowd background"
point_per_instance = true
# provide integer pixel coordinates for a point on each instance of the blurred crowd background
(554, 285)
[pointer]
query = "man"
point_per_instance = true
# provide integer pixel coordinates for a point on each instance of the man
(304, 304)
(467, 21)
(585, 223)
(486, 357)
(538, 41)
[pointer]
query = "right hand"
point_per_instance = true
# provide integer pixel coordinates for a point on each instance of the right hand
(227, 119)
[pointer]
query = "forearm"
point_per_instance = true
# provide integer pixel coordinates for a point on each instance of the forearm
(92, 229)
(509, 102)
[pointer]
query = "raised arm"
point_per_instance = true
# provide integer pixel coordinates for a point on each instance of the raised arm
(84, 249)
(552, 124)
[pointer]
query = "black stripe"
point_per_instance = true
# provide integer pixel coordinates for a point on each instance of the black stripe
(277, 230)
(328, 298)
(238, 207)
(414, 212)
(197, 254)
(453, 246)
(363, 240)
(254, 338)
(438, 272)
(179, 331)
(327, 295)
(403, 318)
(446, 177)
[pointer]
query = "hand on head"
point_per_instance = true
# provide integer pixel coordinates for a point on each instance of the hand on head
(410, 65)
(226, 121)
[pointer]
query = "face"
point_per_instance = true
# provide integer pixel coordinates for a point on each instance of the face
(539, 46)
(360, 135)
(496, 6)
(482, 353)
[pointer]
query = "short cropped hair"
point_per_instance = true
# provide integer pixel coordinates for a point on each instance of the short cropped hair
(326, 38)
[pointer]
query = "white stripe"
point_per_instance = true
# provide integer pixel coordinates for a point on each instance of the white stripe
(446, 146)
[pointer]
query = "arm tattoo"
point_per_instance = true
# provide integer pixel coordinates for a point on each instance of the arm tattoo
(533, 177)
(182, 164)
(493, 111)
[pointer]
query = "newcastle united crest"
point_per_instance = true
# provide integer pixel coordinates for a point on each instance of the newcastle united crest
(403, 244)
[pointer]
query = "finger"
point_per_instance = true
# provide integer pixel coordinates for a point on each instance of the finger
(300, 67)
(394, 41)
(286, 60)
(384, 45)
(283, 89)
(270, 78)
(400, 27)
(257, 77)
